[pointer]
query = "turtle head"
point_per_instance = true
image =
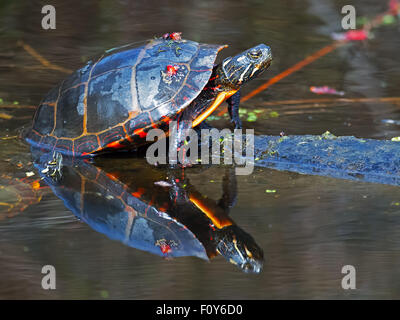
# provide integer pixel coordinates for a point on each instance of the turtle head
(240, 249)
(234, 71)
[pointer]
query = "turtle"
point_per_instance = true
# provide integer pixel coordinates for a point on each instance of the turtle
(113, 101)
(158, 212)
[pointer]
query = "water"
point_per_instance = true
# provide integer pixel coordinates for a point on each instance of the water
(308, 229)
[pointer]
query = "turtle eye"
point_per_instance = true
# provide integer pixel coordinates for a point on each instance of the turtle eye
(254, 53)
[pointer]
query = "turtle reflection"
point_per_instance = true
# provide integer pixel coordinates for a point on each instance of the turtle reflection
(155, 211)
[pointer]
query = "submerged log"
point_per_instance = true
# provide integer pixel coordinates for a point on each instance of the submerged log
(347, 157)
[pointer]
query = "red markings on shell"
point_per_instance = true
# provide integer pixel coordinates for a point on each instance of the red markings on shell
(172, 70)
(176, 36)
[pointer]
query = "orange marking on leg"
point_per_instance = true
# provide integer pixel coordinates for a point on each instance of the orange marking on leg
(218, 100)
(223, 47)
(217, 219)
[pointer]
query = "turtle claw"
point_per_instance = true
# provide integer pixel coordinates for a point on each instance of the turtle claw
(182, 164)
(233, 109)
(237, 122)
(186, 164)
(53, 168)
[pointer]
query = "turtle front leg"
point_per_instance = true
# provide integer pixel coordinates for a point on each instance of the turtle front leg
(229, 188)
(233, 109)
(53, 168)
(177, 192)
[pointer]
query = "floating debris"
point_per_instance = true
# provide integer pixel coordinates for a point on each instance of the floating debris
(391, 121)
(5, 116)
(326, 90)
(176, 36)
(36, 185)
(351, 35)
(362, 21)
(388, 19)
(9, 137)
(213, 118)
(327, 135)
(394, 7)
(251, 117)
(164, 184)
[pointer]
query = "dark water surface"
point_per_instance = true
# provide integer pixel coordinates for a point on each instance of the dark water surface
(309, 227)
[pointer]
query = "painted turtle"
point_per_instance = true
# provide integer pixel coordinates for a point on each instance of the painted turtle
(113, 102)
(171, 219)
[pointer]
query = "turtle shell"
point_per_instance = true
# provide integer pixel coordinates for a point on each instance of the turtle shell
(131, 214)
(112, 102)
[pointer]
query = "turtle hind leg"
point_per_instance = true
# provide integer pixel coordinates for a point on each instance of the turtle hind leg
(233, 109)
